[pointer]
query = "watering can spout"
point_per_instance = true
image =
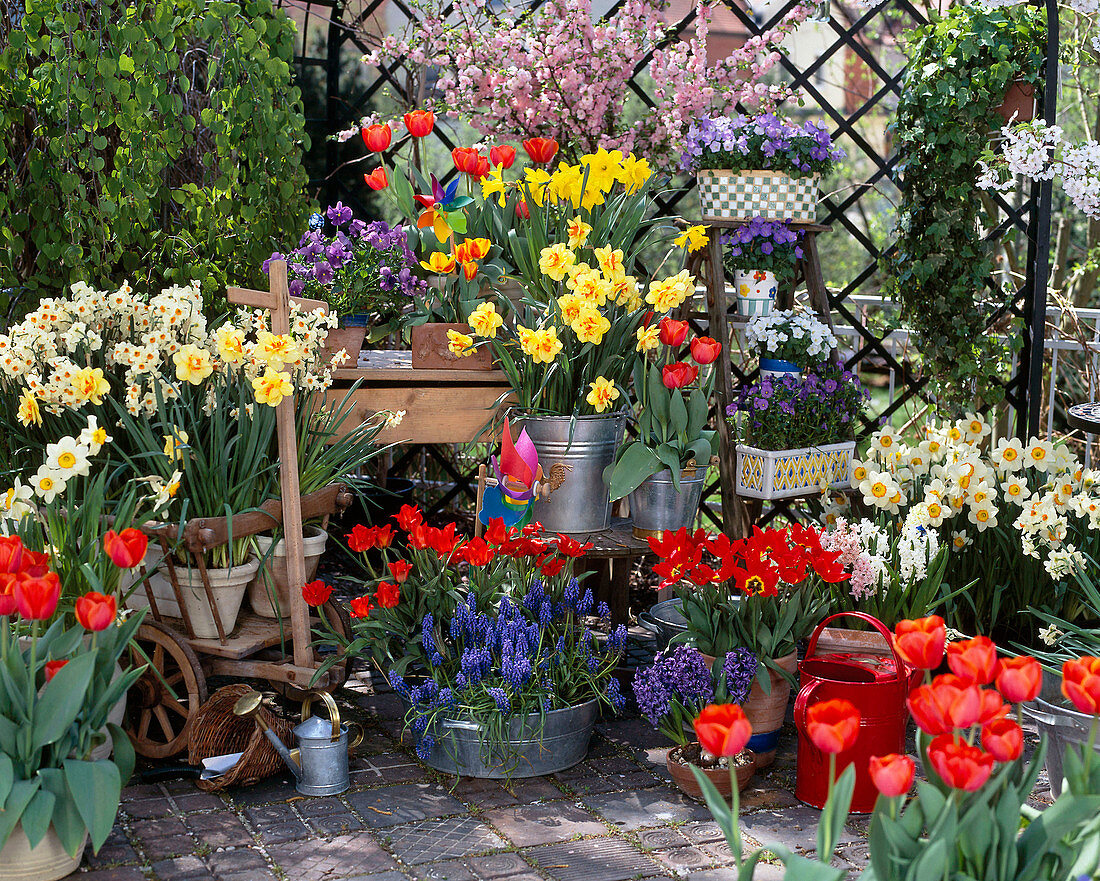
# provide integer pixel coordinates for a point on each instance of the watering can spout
(247, 705)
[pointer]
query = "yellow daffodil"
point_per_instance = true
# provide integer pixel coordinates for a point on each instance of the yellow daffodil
(567, 185)
(193, 364)
(272, 387)
(493, 184)
(541, 345)
(555, 261)
(693, 238)
(536, 180)
(174, 444)
(611, 262)
(276, 349)
(230, 342)
(604, 168)
(29, 410)
(590, 326)
(649, 337)
(460, 344)
(571, 307)
(591, 287)
(578, 232)
(624, 291)
(603, 393)
(669, 293)
(485, 321)
(634, 173)
(90, 385)
(439, 263)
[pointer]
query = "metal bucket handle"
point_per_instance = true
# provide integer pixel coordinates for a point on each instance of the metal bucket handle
(884, 632)
(333, 711)
(648, 622)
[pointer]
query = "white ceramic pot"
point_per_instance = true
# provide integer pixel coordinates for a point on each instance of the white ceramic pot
(272, 577)
(158, 583)
(228, 587)
(756, 290)
(48, 861)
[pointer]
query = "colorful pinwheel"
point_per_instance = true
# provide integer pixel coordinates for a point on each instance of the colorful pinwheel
(443, 210)
(517, 474)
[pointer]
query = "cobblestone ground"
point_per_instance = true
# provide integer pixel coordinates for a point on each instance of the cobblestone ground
(614, 817)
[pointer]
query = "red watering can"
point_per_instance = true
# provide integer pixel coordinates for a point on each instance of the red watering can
(878, 686)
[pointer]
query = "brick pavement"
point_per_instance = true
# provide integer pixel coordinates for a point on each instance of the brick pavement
(612, 818)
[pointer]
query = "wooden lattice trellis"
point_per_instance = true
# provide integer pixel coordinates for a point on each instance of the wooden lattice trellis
(851, 82)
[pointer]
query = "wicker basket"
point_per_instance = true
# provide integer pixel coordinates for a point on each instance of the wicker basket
(216, 731)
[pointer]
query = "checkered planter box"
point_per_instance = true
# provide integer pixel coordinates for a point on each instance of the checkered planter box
(780, 474)
(743, 195)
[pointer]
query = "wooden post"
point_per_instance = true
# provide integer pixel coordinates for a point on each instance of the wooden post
(277, 302)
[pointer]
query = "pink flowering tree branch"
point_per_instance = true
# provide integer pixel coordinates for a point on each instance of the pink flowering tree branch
(558, 73)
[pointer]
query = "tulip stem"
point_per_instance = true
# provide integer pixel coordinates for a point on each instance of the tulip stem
(5, 635)
(735, 813)
(1092, 741)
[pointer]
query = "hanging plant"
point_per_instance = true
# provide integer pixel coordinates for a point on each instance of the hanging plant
(961, 66)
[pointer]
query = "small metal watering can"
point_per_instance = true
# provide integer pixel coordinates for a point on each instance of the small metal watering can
(320, 763)
(878, 686)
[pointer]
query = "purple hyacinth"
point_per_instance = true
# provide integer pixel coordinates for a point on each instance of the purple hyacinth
(739, 669)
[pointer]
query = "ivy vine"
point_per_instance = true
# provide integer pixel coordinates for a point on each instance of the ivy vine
(960, 68)
(154, 140)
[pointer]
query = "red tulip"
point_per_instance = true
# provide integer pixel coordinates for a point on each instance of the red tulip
(570, 547)
(992, 706)
(973, 659)
(465, 159)
(705, 350)
(892, 774)
(408, 517)
(502, 155)
(920, 643)
(316, 593)
(553, 567)
(833, 725)
(961, 766)
(12, 554)
(388, 595)
(722, 729)
(361, 538)
(1019, 679)
(127, 548)
(522, 211)
(678, 375)
(1081, 684)
(7, 595)
(948, 703)
(399, 570)
(35, 564)
(673, 332)
(419, 123)
(36, 598)
(361, 607)
(482, 168)
(477, 552)
(377, 179)
(53, 666)
(1003, 739)
(384, 536)
(377, 137)
(96, 611)
(541, 150)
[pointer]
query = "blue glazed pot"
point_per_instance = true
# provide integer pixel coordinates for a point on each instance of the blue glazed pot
(358, 320)
(778, 369)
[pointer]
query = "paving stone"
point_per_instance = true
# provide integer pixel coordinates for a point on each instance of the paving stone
(342, 857)
(182, 869)
(270, 815)
(380, 876)
(390, 805)
(320, 807)
(280, 832)
(485, 794)
(219, 829)
(442, 839)
(271, 790)
(795, 828)
(393, 767)
(532, 789)
(596, 859)
(617, 783)
(448, 870)
(115, 874)
(198, 801)
(702, 833)
(141, 790)
(662, 839)
(148, 808)
(765, 795)
(645, 807)
(632, 733)
(500, 865)
(250, 875)
(764, 872)
(116, 849)
(683, 859)
(336, 824)
(237, 860)
(528, 825)
(160, 847)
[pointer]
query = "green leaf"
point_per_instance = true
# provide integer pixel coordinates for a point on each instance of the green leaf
(18, 799)
(635, 464)
(37, 816)
(66, 820)
(123, 753)
(678, 414)
(62, 699)
(7, 776)
(95, 788)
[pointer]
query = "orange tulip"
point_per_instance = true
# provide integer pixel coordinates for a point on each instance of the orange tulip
(705, 350)
(127, 548)
(1019, 679)
(36, 598)
(1081, 684)
(52, 667)
(961, 766)
(973, 659)
(722, 729)
(377, 137)
(419, 123)
(502, 155)
(948, 703)
(541, 150)
(920, 643)
(833, 725)
(465, 159)
(96, 611)
(892, 774)
(377, 179)
(1003, 739)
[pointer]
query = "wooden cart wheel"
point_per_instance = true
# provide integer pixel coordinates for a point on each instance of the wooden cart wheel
(338, 673)
(162, 703)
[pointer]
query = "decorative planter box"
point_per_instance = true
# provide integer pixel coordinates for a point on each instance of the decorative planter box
(779, 474)
(431, 349)
(743, 195)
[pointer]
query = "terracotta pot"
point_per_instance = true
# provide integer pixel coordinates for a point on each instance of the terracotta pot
(1019, 101)
(430, 350)
(767, 712)
(683, 777)
(347, 338)
(272, 581)
(841, 639)
(46, 861)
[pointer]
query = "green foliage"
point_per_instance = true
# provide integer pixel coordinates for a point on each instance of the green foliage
(156, 133)
(960, 67)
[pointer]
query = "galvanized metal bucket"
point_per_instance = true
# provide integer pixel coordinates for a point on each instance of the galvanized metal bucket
(586, 446)
(536, 745)
(664, 620)
(1062, 726)
(657, 506)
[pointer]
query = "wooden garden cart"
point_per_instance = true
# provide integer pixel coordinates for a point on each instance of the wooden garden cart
(163, 703)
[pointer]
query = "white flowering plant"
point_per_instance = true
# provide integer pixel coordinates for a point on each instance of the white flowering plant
(897, 570)
(1020, 517)
(790, 335)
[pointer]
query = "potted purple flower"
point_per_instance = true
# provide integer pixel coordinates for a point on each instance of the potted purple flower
(797, 436)
(761, 257)
(760, 166)
(671, 693)
(365, 272)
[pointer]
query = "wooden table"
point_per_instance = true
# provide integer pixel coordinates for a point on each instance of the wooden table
(612, 557)
(441, 406)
